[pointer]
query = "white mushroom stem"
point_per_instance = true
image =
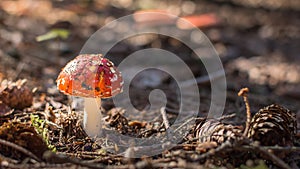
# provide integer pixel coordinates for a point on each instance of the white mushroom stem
(92, 118)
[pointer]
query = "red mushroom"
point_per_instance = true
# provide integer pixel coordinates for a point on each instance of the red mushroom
(93, 77)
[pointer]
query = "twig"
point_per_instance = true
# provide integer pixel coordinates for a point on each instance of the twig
(286, 149)
(223, 146)
(87, 154)
(252, 147)
(36, 166)
(10, 160)
(243, 92)
(60, 159)
(270, 156)
(185, 123)
(226, 117)
(19, 148)
(165, 118)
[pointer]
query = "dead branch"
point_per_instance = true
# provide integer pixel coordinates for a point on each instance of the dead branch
(19, 148)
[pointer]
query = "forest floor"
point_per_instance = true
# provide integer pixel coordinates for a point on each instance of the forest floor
(258, 45)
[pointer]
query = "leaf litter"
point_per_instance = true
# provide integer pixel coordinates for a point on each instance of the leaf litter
(40, 130)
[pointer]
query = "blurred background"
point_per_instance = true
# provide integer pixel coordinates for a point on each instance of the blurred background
(258, 42)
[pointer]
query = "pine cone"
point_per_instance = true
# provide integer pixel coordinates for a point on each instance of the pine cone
(273, 125)
(15, 94)
(213, 130)
(23, 135)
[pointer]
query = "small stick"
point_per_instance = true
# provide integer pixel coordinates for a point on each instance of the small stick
(226, 146)
(51, 157)
(19, 148)
(244, 92)
(280, 163)
(37, 165)
(226, 117)
(165, 118)
(286, 149)
(185, 123)
(9, 160)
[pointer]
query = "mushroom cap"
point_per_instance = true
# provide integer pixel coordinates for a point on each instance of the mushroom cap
(90, 75)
